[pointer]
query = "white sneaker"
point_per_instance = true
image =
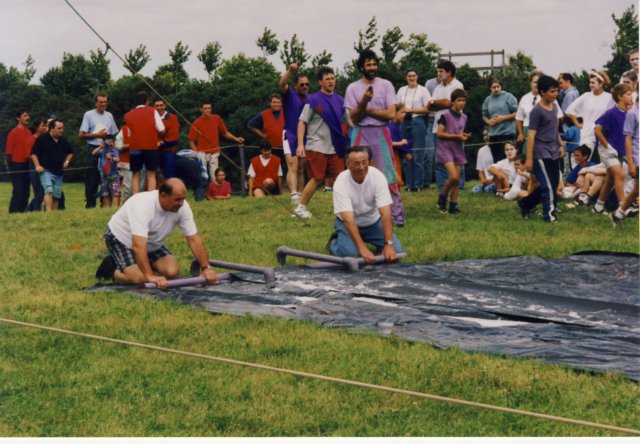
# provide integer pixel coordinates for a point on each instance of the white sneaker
(302, 213)
(295, 198)
(583, 198)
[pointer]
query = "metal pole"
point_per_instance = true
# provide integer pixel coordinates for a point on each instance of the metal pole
(243, 172)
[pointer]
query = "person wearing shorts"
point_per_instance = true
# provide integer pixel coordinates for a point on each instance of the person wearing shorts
(451, 136)
(136, 232)
(145, 132)
(321, 118)
(51, 155)
(293, 99)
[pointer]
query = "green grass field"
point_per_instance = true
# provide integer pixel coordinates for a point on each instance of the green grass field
(57, 385)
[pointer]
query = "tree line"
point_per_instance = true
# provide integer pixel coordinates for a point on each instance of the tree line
(239, 86)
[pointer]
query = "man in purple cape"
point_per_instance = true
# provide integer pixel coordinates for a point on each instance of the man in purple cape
(321, 118)
(293, 101)
(371, 102)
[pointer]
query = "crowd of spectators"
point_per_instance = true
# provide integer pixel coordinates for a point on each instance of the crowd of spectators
(551, 143)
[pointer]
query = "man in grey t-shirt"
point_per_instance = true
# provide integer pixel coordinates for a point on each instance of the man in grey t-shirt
(322, 118)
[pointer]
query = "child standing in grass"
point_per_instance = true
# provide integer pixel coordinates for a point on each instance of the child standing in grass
(610, 134)
(544, 148)
(450, 151)
(108, 158)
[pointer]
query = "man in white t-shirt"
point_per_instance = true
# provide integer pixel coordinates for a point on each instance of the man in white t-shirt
(483, 162)
(362, 204)
(135, 235)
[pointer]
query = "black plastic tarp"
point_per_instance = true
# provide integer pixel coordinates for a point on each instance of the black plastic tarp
(582, 310)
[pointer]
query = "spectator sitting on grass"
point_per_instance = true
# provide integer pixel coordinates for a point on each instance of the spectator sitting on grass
(574, 180)
(522, 184)
(504, 172)
(483, 162)
(219, 189)
(265, 172)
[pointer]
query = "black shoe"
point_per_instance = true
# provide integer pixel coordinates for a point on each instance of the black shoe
(454, 210)
(332, 237)
(524, 212)
(107, 269)
(442, 204)
(195, 268)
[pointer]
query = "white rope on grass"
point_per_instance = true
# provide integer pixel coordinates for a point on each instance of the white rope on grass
(328, 378)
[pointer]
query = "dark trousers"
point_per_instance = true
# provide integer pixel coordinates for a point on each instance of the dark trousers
(168, 164)
(20, 183)
(548, 174)
(91, 179)
(38, 191)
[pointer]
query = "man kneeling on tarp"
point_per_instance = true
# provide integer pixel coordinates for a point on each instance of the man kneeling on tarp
(135, 234)
(362, 204)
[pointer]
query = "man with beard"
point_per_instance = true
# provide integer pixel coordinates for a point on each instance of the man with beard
(371, 102)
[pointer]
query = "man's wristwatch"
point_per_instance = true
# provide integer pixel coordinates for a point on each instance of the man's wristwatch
(389, 242)
(204, 267)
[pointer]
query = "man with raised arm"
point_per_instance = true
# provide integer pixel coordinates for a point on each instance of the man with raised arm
(292, 102)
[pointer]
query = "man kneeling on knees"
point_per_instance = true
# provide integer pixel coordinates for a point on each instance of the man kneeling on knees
(362, 204)
(135, 235)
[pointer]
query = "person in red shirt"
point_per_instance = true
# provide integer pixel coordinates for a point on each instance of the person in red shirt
(169, 142)
(204, 138)
(17, 151)
(145, 131)
(265, 172)
(219, 189)
(269, 124)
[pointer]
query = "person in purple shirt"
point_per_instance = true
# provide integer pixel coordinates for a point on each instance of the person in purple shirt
(631, 152)
(544, 148)
(292, 103)
(611, 148)
(371, 102)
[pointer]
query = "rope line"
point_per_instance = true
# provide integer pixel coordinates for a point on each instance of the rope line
(327, 378)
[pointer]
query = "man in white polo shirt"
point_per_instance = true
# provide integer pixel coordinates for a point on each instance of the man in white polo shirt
(362, 204)
(135, 235)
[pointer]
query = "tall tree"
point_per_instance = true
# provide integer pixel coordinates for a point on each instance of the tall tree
(267, 42)
(136, 59)
(419, 54)
(99, 68)
(369, 38)
(625, 40)
(29, 69)
(322, 59)
(211, 57)
(179, 56)
(391, 44)
(293, 52)
(77, 76)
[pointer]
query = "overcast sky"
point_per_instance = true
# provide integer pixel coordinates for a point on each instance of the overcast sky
(560, 35)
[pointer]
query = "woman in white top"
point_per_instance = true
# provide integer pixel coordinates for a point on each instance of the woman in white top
(527, 102)
(590, 106)
(415, 98)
